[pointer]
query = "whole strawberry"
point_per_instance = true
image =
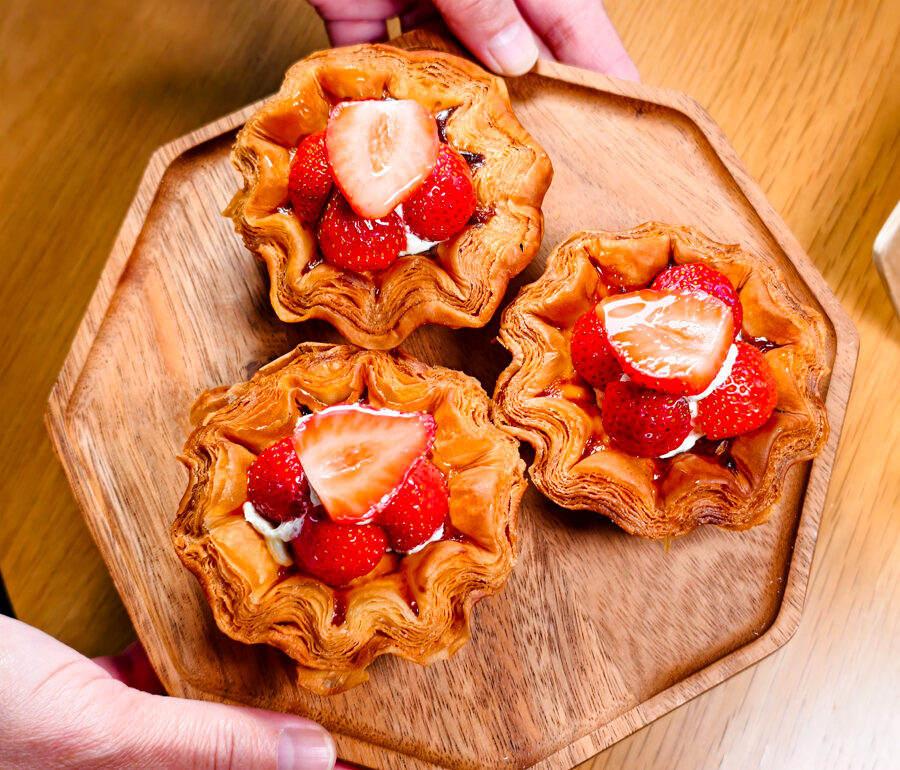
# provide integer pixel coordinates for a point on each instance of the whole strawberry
(744, 401)
(309, 180)
(644, 422)
(445, 201)
(417, 509)
(338, 553)
(276, 484)
(353, 243)
(695, 277)
(592, 356)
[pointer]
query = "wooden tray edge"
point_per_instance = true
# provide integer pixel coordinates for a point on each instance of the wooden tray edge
(847, 345)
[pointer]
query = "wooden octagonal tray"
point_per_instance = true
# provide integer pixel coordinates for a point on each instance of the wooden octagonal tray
(596, 633)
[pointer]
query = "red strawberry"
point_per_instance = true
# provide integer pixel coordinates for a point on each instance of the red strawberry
(356, 456)
(338, 553)
(591, 354)
(417, 509)
(309, 181)
(697, 278)
(380, 151)
(276, 484)
(671, 342)
(445, 201)
(353, 243)
(643, 422)
(744, 401)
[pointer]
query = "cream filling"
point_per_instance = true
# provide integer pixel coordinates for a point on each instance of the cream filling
(695, 435)
(275, 537)
(414, 244)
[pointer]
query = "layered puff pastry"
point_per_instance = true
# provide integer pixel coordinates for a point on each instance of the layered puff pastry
(457, 283)
(415, 606)
(540, 399)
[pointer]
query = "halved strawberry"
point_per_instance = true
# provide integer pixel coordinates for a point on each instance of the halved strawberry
(643, 422)
(353, 243)
(666, 341)
(697, 278)
(356, 456)
(744, 401)
(380, 151)
(309, 180)
(592, 356)
(445, 201)
(276, 484)
(338, 553)
(418, 508)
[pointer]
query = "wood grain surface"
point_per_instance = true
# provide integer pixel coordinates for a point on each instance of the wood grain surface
(181, 301)
(807, 93)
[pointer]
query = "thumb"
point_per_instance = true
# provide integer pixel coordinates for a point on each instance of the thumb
(60, 709)
(494, 31)
(172, 732)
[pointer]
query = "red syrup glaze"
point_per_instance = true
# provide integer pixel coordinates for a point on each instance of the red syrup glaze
(406, 593)
(718, 451)
(441, 119)
(339, 612)
(587, 402)
(452, 534)
(761, 343)
(286, 572)
(313, 263)
(475, 160)
(481, 216)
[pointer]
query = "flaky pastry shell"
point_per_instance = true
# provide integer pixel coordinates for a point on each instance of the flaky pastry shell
(540, 399)
(462, 284)
(417, 606)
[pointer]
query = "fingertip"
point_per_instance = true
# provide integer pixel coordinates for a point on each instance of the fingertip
(355, 31)
(513, 49)
(305, 746)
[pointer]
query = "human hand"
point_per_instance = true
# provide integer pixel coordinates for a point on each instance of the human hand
(506, 35)
(60, 709)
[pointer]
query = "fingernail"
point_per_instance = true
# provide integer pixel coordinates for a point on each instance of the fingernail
(305, 747)
(514, 49)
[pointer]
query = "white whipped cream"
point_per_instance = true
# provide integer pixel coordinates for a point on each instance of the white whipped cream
(727, 365)
(696, 434)
(414, 244)
(275, 537)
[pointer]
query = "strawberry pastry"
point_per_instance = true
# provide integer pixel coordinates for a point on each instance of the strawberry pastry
(385, 189)
(344, 504)
(664, 380)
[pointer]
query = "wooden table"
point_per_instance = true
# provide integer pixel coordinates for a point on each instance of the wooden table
(806, 90)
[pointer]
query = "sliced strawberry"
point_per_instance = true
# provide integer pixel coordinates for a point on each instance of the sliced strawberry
(356, 456)
(697, 278)
(353, 243)
(744, 401)
(276, 484)
(380, 151)
(643, 422)
(418, 508)
(309, 180)
(445, 201)
(671, 342)
(592, 356)
(338, 553)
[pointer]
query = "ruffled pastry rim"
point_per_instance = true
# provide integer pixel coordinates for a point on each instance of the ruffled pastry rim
(295, 613)
(535, 330)
(463, 285)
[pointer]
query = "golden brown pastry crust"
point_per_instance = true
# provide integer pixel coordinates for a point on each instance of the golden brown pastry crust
(252, 602)
(540, 399)
(464, 283)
